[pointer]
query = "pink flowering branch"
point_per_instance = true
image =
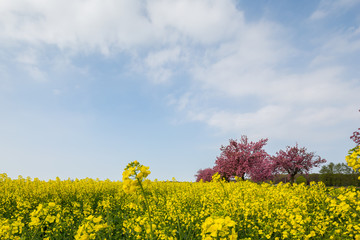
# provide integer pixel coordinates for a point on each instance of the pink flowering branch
(356, 136)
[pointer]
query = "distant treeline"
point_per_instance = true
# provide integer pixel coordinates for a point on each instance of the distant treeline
(330, 179)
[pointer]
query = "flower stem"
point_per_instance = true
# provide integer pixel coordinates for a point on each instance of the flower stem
(147, 207)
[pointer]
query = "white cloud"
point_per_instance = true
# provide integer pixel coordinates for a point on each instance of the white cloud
(162, 57)
(4, 78)
(163, 28)
(87, 26)
(201, 21)
(246, 65)
(321, 60)
(325, 116)
(182, 103)
(280, 121)
(330, 7)
(290, 105)
(344, 42)
(225, 56)
(157, 64)
(321, 86)
(265, 116)
(57, 92)
(36, 73)
(160, 75)
(29, 59)
(318, 14)
(111, 25)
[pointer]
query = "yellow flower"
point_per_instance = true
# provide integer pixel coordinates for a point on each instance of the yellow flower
(137, 229)
(97, 220)
(50, 218)
(218, 227)
(216, 177)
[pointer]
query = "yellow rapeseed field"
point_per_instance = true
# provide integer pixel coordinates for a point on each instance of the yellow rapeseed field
(136, 208)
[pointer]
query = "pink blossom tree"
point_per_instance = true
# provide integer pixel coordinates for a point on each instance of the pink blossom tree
(205, 174)
(241, 158)
(295, 160)
(356, 136)
(262, 170)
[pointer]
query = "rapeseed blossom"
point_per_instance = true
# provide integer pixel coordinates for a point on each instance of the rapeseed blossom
(90, 227)
(133, 175)
(94, 209)
(353, 159)
(218, 228)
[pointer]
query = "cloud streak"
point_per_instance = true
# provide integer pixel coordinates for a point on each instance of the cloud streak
(328, 8)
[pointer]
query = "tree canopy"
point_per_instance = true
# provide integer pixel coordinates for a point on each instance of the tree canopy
(244, 157)
(295, 160)
(205, 174)
(339, 168)
(247, 159)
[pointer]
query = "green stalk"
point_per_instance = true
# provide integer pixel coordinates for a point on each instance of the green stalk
(148, 208)
(38, 227)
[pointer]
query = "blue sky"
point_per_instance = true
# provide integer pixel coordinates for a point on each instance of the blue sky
(88, 86)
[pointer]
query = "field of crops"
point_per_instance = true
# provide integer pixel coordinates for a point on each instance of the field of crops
(136, 208)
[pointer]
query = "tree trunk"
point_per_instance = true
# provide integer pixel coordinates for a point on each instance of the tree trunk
(292, 178)
(243, 176)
